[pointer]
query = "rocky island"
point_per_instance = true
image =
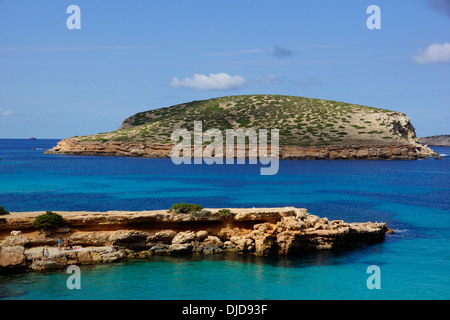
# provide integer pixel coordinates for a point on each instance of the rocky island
(308, 128)
(438, 141)
(103, 237)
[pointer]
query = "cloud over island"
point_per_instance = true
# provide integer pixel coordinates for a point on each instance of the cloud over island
(435, 53)
(5, 112)
(213, 81)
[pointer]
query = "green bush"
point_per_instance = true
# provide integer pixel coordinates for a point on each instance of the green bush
(224, 213)
(48, 221)
(3, 211)
(185, 208)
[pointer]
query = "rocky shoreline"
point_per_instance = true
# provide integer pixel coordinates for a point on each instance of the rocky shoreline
(104, 237)
(405, 151)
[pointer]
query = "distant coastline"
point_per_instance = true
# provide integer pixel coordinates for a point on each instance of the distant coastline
(437, 141)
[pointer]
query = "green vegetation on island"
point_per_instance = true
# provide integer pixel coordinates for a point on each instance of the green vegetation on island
(300, 121)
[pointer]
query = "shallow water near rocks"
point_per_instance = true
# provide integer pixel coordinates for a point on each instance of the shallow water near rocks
(413, 197)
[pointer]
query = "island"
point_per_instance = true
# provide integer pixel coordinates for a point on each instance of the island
(437, 141)
(308, 129)
(105, 237)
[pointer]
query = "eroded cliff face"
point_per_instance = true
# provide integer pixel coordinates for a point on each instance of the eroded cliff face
(403, 151)
(74, 146)
(401, 124)
(101, 237)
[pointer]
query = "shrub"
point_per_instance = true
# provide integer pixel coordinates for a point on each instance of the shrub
(48, 221)
(3, 211)
(185, 208)
(224, 213)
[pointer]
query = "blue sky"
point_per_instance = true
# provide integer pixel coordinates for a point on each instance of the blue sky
(132, 56)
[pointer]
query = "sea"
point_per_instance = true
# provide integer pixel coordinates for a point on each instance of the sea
(411, 196)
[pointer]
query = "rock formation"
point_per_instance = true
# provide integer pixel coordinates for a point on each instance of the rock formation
(347, 152)
(102, 237)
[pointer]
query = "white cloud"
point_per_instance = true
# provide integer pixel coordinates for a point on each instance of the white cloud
(435, 53)
(213, 81)
(5, 113)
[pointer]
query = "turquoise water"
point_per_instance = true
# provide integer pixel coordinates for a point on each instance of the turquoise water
(413, 197)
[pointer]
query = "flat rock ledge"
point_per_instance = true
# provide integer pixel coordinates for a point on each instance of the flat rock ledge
(105, 237)
(408, 150)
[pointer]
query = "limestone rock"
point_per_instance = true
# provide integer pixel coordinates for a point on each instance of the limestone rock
(212, 245)
(12, 257)
(184, 237)
(131, 239)
(46, 265)
(369, 231)
(310, 220)
(179, 248)
(290, 223)
(284, 240)
(160, 248)
(144, 254)
(269, 216)
(15, 240)
(263, 227)
(264, 245)
(111, 257)
(243, 244)
(63, 230)
(164, 236)
(89, 239)
(262, 232)
(201, 235)
(84, 257)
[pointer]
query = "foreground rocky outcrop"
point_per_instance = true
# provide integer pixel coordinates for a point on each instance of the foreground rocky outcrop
(103, 237)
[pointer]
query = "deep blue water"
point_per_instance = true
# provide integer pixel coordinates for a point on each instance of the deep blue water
(413, 197)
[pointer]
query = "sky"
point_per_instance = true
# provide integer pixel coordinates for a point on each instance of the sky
(137, 55)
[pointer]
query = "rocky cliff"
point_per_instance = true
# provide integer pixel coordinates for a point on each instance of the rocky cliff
(308, 128)
(101, 237)
(403, 151)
